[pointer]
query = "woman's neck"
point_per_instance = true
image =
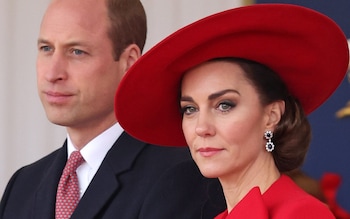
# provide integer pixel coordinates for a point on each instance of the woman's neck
(237, 185)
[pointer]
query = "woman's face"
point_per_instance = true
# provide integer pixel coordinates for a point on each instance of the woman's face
(223, 119)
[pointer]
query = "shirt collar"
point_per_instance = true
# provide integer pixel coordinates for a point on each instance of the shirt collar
(95, 151)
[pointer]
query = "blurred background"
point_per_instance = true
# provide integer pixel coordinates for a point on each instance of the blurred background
(330, 146)
(26, 135)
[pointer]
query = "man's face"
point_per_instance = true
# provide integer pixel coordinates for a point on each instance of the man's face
(76, 74)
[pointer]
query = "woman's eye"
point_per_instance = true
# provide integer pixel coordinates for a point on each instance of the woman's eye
(187, 110)
(225, 106)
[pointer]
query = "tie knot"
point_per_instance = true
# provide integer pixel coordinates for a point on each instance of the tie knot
(75, 160)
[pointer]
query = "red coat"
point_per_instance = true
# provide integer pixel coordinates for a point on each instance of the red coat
(283, 200)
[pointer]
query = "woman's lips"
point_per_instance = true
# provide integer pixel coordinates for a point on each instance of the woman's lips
(209, 151)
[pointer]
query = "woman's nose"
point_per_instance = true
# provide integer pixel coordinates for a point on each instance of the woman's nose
(205, 126)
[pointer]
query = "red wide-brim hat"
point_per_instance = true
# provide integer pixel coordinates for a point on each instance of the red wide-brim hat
(306, 48)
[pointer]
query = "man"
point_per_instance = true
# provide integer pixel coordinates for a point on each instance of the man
(84, 49)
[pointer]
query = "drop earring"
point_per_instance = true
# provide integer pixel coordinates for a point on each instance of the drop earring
(269, 144)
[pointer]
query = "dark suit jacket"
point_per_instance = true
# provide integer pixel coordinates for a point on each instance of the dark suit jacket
(191, 195)
(125, 182)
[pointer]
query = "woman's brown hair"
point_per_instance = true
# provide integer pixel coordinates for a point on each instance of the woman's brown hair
(292, 135)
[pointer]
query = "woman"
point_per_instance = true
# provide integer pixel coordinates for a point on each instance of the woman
(244, 79)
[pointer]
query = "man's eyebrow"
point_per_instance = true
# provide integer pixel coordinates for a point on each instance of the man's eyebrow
(69, 44)
(42, 41)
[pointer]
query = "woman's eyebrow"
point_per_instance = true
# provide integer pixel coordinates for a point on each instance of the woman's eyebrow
(220, 93)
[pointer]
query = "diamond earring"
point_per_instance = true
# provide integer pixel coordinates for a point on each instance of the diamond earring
(269, 144)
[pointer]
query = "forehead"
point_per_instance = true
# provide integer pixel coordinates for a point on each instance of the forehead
(85, 16)
(212, 77)
(217, 71)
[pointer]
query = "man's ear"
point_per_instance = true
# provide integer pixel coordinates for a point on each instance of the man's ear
(275, 112)
(129, 56)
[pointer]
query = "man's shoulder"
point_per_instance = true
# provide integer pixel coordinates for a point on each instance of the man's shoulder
(38, 167)
(172, 150)
(130, 146)
(44, 161)
(166, 154)
(182, 184)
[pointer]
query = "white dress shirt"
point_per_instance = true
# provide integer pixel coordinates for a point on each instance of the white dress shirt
(93, 153)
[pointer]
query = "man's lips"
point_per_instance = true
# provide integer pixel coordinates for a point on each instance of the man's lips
(57, 97)
(209, 151)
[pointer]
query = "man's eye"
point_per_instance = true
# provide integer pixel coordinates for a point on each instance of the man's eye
(45, 48)
(78, 52)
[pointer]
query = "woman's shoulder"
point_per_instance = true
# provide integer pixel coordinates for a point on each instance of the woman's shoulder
(287, 200)
(302, 208)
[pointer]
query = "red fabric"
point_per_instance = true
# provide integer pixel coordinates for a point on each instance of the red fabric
(283, 200)
(286, 38)
(330, 183)
(67, 196)
(253, 200)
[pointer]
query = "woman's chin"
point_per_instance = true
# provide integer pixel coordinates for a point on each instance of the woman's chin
(209, 172)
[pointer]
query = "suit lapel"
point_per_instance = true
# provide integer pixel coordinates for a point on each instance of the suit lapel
(216, 202)
(45, 199)
(105, 183)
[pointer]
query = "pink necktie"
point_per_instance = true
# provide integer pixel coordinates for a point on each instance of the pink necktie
(67, 196)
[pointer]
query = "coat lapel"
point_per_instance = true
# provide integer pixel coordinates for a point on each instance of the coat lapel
(216, 200)
(105, 183)
(44, 205)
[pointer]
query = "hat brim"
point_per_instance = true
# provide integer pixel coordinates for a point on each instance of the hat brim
(306, 48)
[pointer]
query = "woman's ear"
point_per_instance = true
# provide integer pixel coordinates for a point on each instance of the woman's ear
(129, 56)
(275, 112)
